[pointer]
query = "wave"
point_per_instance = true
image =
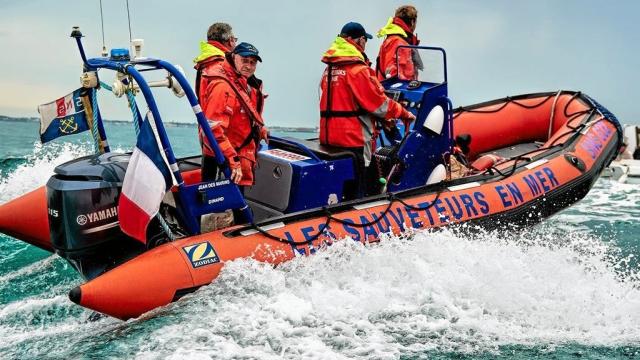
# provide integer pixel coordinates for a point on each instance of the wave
(559, 283)
(34, 170)
(445, 292)
(9, 161)
(438, 291)
(611, 200)
(38, 266)
(39, 327)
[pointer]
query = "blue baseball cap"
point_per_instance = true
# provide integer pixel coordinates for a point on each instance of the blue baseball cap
(245, 49)
(354, 30)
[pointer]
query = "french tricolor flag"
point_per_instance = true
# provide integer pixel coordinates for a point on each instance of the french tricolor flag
(146, 181)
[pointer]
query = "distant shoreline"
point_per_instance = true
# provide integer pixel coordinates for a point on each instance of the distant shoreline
(179, 124)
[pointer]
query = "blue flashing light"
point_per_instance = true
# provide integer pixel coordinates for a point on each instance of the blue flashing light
(120, 54)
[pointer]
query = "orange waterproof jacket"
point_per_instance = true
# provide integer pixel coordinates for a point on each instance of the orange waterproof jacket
(353, 101)
(397, 34)
(232, 107)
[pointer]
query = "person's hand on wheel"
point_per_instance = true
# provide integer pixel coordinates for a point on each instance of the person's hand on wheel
(407, 119)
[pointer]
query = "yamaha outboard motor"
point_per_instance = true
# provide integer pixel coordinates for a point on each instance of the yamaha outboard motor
(82, 198)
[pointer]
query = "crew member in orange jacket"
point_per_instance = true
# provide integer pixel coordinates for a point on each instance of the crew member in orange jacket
(399, 31)
(220, 42)
(353, 100)
(232, 103)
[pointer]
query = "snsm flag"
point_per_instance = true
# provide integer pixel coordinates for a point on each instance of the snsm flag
(64, 116)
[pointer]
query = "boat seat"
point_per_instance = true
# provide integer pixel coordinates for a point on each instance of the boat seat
(513, 150)
(293, 175)
(324, 152)
(332, 153)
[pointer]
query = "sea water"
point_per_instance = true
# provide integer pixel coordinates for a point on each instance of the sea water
(569, 288)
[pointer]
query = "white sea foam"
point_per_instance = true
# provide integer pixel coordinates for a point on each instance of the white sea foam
(438, 291)
(30, 305)
(609, 201)
(36, 267)
(48, 326)
(39, 167)
(35, 318)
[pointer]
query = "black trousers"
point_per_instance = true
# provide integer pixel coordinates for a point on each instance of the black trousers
(367, 177)
(210, 169)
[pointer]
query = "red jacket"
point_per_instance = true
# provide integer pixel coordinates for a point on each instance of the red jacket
(397, 34)
(356, 100)
(234, 119)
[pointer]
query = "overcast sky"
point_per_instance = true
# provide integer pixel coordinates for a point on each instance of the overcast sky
(495, 48)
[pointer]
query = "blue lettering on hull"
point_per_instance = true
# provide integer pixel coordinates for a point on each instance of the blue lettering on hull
(453, 206)
(541, 181)
(594, 140)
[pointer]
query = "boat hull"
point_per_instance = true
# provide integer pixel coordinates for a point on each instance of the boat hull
(520, 192)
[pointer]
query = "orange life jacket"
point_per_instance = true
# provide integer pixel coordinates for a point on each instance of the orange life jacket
(351, 102)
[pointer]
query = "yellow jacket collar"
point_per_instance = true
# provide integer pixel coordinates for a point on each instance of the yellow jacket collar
(391, 29)
(206, 51)
(342, 48)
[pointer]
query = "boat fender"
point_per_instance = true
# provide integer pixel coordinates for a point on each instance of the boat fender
(576, 162)
(485, 162)
(437, 175)
(435, 120)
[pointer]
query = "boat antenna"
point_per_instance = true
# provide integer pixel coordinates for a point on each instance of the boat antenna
(104, 48)
(129, 18)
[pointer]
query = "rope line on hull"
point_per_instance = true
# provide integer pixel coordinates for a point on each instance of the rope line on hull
(392, 198)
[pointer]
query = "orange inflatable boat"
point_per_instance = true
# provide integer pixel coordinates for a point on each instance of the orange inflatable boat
(504, 163)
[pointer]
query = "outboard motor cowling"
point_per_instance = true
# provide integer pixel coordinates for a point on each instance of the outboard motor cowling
(82, 198)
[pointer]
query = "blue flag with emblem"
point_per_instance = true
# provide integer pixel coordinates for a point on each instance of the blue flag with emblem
(65, 116)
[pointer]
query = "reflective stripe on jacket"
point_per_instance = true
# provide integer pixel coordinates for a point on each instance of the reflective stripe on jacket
(349, 107)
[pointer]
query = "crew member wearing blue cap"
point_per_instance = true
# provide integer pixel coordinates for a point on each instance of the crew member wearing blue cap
(232, 103)
(352, 102)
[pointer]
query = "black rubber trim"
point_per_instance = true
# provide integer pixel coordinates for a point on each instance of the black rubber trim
(517, 97)
(345, 113)
(182, 292)
(75, 295)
